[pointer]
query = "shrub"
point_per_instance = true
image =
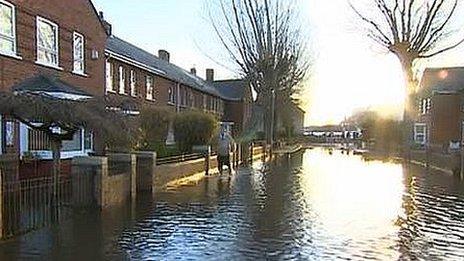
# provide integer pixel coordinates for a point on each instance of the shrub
(154, 127)
(124, 140)
(194, 128)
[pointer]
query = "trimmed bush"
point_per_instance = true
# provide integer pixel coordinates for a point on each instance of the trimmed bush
(154, 127)
(194, 128)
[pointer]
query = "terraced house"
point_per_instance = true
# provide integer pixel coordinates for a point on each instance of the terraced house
(46, 50)
(134, 73)
(73, 54)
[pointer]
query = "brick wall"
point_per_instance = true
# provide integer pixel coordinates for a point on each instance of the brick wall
(445, 118)
(70, 15)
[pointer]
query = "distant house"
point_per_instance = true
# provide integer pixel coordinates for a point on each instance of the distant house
(298, 117)
(439, 114)
(238, 106)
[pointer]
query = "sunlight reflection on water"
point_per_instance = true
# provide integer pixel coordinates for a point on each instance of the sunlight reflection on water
(313, 206)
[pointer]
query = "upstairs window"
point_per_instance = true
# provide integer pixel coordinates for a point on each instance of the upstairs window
(190, 99)
(183, 97)
(78, 53)
(122, 80)
(172, 95)
(133, 81)
(109, 77)
(7, 28)
(47, 42)
(426, 106)
(150, 91)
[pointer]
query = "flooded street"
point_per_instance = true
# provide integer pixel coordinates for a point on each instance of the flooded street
(313, 206)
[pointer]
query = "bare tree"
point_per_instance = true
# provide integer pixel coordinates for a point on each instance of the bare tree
(264, 40)
(412, 30)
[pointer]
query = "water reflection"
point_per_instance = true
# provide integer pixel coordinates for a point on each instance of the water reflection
(317, 205)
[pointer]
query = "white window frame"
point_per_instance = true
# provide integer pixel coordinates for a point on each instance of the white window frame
(417, 134)
(171, 95)
(9, 37)
(122, 79)
(150, 95)
(78, 59)
(40, 19)
(109, 77)
(133, 83)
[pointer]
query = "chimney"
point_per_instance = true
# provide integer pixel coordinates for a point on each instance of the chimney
(210, 75)
(164, 55)
(193, 71)
(108, 27)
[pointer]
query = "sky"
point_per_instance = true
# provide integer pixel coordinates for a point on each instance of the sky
(348, 72)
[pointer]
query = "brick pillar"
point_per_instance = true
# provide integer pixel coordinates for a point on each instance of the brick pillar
(99, 167)
(146, 165)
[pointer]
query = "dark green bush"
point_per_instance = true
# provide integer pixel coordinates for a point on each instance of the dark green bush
(154, 128)
(124, 140)
(194, 128)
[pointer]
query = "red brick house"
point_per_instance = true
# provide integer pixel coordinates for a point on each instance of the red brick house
(136, 74)
(439, 121)
(44, 49)
(239, 103)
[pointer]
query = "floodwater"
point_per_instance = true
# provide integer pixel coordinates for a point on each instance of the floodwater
(312, 206)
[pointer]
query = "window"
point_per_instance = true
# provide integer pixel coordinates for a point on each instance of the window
(122, 80)
(133, 81)
(9, 133)
(88, 140)
(420, 133)
(172, 95)
(183, 97)
(78, 53)
(7, 29)
(190, 99)
(75, 144)
(425, 106)
(109, 77)
(204, 101)
(150, 95)
(47, 42)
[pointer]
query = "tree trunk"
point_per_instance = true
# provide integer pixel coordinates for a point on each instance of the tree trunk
(408, 113)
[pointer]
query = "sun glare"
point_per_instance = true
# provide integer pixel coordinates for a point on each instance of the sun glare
(349, 73)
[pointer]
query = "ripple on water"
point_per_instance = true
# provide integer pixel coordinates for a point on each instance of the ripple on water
(277, 215)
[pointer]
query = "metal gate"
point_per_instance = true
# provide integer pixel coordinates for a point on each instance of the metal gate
(32, 204)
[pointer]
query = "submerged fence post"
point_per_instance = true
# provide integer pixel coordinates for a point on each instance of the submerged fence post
(462, 163)
(207, 160)
(1, 205)
(133, 163)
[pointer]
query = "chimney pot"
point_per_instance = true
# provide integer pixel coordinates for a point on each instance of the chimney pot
(193, 71)
(164, 55)
(210, 75)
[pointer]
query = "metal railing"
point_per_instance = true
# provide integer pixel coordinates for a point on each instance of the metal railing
(31, 204)
(178, 159)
